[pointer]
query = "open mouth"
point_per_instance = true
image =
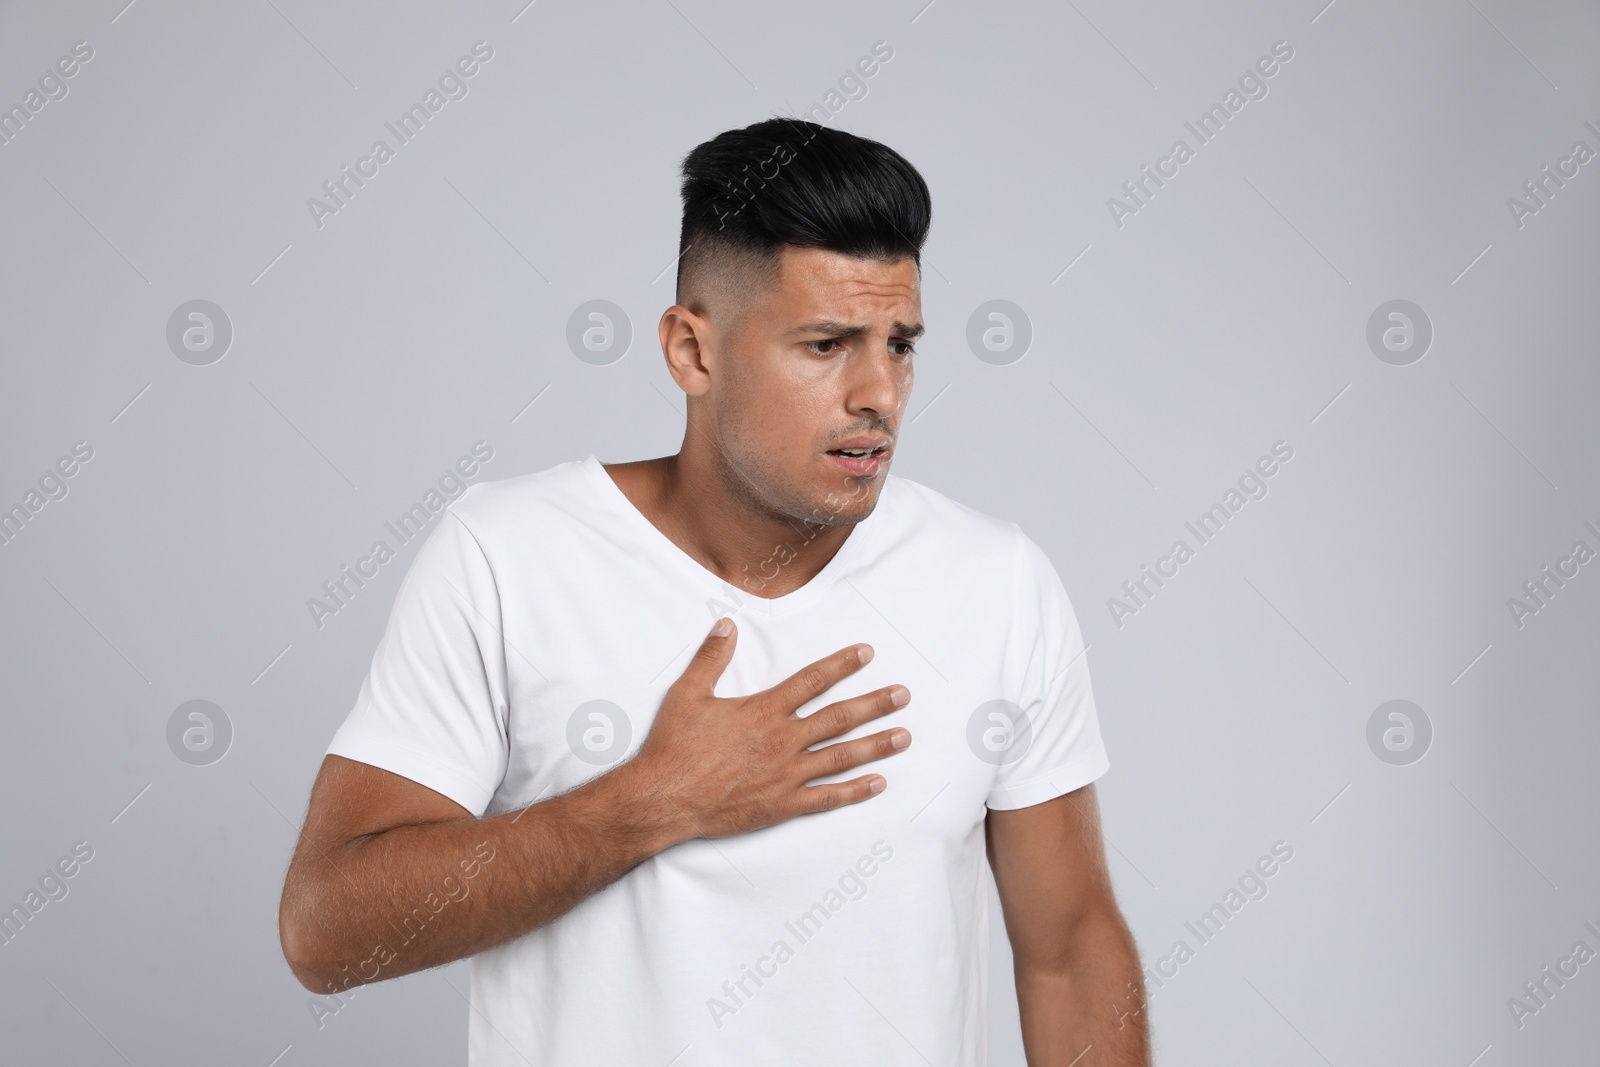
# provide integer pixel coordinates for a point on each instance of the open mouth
(861, 461)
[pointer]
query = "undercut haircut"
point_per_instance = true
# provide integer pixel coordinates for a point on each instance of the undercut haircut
(747, 193)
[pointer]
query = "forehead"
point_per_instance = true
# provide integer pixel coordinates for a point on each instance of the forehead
(817, 279)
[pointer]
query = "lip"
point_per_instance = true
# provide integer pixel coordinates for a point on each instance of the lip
(864, 442)
(866, 465)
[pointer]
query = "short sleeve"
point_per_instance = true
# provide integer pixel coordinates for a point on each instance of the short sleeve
(1060, 748)
(433, 707)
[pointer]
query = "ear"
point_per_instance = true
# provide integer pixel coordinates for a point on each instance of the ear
(686, 345)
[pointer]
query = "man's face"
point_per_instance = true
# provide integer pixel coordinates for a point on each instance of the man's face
(821, 361)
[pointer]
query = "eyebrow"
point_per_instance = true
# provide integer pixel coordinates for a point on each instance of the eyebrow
(841, 330)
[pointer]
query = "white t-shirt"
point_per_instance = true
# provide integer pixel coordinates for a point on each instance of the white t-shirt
(529, 646)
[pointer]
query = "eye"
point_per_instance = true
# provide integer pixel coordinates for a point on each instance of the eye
(903, 348)
(822, 348)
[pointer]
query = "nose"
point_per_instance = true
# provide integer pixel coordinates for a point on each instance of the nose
(878, 385)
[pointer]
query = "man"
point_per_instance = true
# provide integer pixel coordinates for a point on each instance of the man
(763, 844)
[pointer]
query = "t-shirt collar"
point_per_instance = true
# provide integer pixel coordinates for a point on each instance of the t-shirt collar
(664, 548)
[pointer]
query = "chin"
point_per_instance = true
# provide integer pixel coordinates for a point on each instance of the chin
(849, 504)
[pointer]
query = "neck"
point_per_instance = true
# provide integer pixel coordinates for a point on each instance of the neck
(707, 509)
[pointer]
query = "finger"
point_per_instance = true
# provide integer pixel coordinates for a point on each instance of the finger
(814, 798)
(847, 755)
(845, 715)
(817, 678)
(710, 659)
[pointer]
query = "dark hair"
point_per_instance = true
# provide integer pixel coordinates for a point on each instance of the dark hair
(788, 181)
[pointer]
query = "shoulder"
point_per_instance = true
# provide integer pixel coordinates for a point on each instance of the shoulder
(500, 508)
(954, 525)
(974, 536)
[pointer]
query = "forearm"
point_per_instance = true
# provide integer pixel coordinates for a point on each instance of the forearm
(1088, 1003)
(415, 897)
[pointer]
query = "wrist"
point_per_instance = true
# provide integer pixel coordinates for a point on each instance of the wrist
(641, 807)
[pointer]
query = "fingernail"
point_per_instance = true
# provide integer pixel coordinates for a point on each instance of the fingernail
(899, 739)
(899, 696)
(722, 627)
(876, 785)
(864, 654)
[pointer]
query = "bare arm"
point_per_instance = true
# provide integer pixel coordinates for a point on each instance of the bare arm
(390, 877)
(1079, 986)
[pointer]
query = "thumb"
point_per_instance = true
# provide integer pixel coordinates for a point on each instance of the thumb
(712, 657)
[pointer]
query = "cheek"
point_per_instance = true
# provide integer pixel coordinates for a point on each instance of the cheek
(753, 411)
(775, 398)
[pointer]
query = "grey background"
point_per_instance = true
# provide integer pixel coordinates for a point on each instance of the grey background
(1229, 313)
